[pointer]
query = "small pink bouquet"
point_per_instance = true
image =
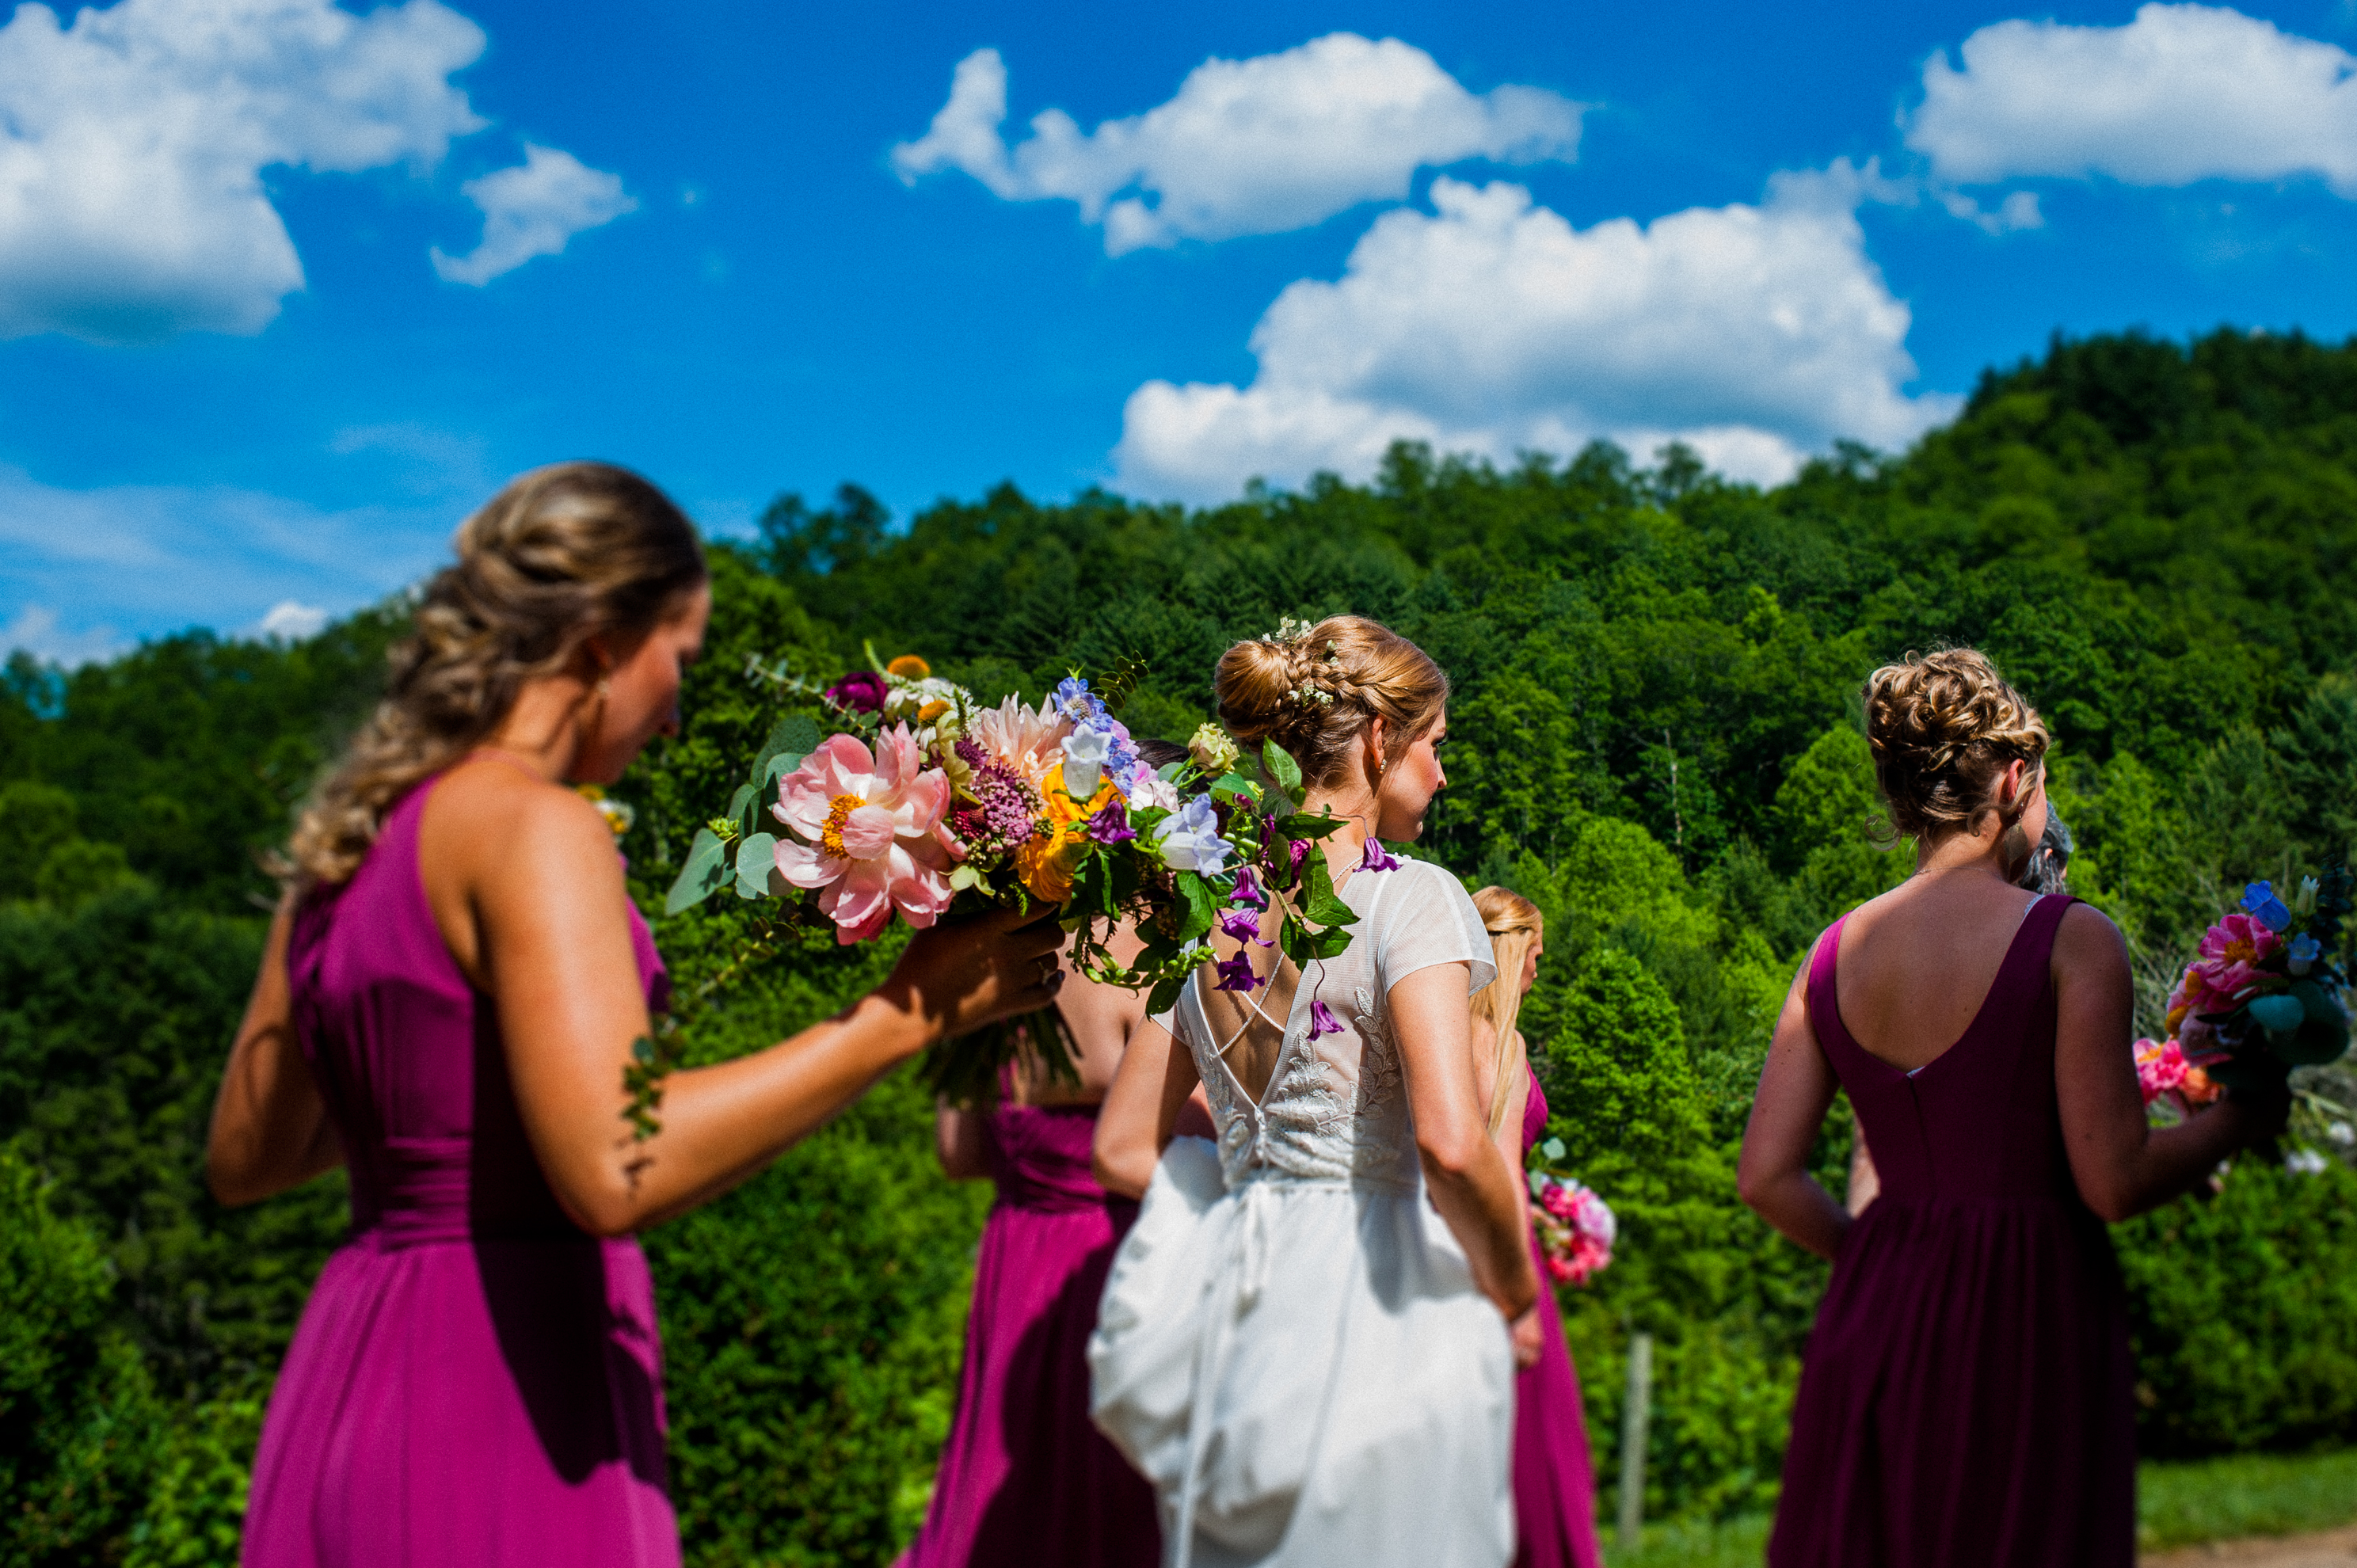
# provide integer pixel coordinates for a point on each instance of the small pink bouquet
(1575, 1227)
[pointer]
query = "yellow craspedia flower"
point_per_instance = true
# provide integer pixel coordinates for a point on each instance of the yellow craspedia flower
(908, 667)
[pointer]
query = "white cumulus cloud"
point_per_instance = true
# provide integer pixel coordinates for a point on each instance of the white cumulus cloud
(1251, 147)
(1490, 325)
(133, 142)
(2181, 94)
(291, 620)
(532, 210)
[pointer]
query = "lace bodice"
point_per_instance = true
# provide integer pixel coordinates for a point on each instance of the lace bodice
(1336, 1106)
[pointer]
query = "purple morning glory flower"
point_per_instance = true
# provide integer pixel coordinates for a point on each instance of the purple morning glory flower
(1376, 859)
(1236, 974)
(1247, 889)
(1244, 926)
(1111, 826)
(1322, 1020)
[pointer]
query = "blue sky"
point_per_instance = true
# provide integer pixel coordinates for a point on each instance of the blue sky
(255, 365)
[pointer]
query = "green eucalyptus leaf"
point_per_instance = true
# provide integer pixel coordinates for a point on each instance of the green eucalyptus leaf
(777, 766)
(795, 732)
(1281, 768)
(757, 867)
(702, 875)
(1235, 786)
(1553, 1148)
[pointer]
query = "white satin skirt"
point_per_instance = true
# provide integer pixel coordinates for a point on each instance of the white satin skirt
(1307, 1374)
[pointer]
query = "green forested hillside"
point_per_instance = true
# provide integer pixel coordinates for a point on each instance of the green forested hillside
(1653, 736)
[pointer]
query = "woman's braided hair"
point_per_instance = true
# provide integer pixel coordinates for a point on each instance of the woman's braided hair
(561, 555)
(1312, 689)
(1943, 727)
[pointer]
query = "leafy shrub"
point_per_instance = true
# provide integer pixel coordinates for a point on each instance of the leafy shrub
(79, 1420)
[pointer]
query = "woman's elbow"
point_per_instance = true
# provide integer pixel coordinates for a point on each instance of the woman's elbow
(1756, 1183)
(1456, 1157)
(1118, 1171)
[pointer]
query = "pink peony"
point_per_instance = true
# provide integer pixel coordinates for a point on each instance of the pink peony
(2232, 952)
(876, 839)
(2161, 1068)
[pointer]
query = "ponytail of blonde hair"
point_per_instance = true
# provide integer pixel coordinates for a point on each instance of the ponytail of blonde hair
(1513, 923)
(562, 554)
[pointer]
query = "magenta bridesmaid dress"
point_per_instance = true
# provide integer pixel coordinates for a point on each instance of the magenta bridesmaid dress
(1554, 1478)
(1967, 1397)
(476, 1379)
(1027, 1480)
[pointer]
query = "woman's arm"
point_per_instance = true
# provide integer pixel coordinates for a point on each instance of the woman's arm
(1471, 1182)
(557, 954)
(1795, 1089)
(957, 1139)
(270, 1129)
(2125, 1165)
(1142, 1110)
(1528, 1333)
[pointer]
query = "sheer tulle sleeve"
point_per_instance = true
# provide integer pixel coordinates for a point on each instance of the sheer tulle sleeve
(1427, 918)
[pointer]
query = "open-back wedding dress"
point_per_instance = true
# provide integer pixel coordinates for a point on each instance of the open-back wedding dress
(1291, 1346)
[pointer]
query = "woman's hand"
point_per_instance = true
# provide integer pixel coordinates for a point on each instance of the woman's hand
(961, 977)
(1529, 1334)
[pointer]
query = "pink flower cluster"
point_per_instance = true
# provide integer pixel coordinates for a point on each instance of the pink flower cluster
(2232, 953)
(1577, 1230)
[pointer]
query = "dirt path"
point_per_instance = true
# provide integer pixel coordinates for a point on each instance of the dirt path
(2333, 1548)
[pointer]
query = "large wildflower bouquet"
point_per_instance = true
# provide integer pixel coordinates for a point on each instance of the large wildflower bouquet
(2265, 994)
(906, 799)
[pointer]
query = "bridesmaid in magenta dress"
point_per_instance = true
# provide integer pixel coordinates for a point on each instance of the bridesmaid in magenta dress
(446, 1002)
(1967, 1399)
(1025, 1479)
(1554, 1479)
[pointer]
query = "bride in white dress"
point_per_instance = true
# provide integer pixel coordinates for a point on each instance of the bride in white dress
(1304, 1343)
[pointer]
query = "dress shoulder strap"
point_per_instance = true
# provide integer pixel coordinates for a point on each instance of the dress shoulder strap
(1822, 998)
(2032, 958)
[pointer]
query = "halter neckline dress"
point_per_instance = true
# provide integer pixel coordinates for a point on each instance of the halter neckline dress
(1967, 1399)
(475, 1379)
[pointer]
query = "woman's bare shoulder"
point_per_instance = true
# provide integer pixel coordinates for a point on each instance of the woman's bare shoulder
(490, 815)
(2087, 935)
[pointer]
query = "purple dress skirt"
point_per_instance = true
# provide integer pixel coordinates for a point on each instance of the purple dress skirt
(475, 1380)
(1967, 1399)
(1554, 1479)
(1027, 1480)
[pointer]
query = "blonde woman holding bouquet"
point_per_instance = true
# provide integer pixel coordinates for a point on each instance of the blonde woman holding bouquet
(446, 1004)
(1554, 1476)
(1967, 1398)
(1305, 1343)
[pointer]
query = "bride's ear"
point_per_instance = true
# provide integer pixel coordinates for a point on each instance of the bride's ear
(1375, 735)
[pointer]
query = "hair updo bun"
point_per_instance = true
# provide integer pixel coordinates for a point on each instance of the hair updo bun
(1313, 689)
(1943, 727)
